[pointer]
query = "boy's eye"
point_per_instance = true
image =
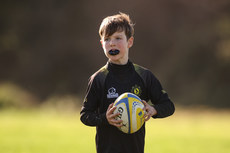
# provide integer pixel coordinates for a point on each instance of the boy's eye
(106, 39)
(118, 38)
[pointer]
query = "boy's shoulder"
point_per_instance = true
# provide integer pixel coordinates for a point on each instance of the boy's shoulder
(141, 70)
(100, 74)
(144, 73)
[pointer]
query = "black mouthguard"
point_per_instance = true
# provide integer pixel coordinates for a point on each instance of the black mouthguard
(114, 52)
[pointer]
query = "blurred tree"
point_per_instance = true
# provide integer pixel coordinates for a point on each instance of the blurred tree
(51, 47)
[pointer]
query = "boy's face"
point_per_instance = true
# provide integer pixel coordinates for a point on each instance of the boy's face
(117, 43)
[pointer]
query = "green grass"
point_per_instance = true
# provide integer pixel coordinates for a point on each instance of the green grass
(39, 131)
(207, 132)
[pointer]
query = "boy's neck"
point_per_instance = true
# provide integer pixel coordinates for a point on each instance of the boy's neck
(119, 62)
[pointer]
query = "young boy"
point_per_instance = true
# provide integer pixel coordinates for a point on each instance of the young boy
(120, 75)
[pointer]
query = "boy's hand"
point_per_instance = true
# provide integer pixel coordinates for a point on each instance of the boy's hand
(111, 116)
(149, 111)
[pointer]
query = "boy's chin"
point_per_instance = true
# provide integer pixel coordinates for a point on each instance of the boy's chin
(114, 52)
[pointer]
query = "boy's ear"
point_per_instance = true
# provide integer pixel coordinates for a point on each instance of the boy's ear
(101, 43)
(130, 42)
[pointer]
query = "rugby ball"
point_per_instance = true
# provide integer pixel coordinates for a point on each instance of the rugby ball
(131, 112)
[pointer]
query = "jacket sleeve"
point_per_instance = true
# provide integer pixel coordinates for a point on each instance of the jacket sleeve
(89, 114)
(159, 98)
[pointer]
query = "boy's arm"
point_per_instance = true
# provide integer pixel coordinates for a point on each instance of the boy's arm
(91, 118)
(89, 112)
(162, 103)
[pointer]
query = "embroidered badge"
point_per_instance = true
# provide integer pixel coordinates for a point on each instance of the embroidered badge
(136, 90)
(112, 93)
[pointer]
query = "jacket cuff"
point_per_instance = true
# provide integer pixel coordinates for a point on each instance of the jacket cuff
(157, 109)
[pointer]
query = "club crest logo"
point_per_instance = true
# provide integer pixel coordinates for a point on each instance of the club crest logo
(136, 90)
(112, 93)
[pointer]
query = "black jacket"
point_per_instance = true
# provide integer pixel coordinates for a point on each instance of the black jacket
(104, 87)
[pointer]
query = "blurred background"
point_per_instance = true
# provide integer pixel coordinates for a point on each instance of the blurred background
(49, 49)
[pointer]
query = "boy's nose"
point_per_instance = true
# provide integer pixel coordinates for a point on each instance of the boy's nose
(111, 43)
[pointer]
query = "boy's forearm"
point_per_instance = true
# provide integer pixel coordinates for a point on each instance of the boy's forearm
(93, 119)
(164, 109)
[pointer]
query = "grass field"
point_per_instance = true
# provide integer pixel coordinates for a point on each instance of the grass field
(47, 131)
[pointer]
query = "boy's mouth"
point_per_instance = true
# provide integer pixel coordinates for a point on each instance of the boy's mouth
(114, 52)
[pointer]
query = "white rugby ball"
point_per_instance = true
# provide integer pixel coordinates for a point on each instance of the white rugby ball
(131, 112)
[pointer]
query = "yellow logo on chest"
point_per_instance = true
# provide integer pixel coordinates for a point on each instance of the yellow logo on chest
(136, 90)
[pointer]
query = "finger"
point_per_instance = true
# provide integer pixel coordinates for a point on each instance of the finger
(145, 109)
(151, 113)
(111, 110)
(114, 121)
(147, 118)
(145, 103)
(110, 106)
(111, 115)
(146, 114)
(114, 115)
(118, 123)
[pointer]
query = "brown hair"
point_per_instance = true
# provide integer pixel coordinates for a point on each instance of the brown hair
(118, 22)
